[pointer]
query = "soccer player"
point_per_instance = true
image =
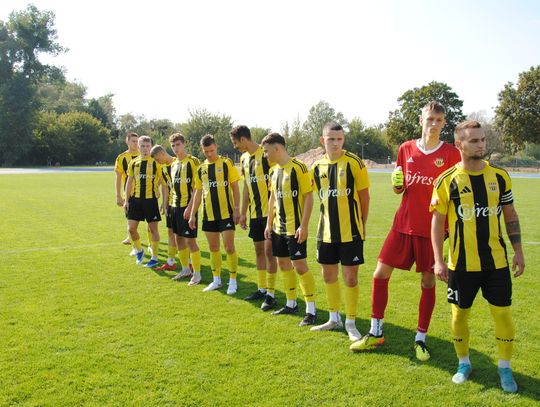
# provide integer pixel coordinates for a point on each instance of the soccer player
(120, 169)
(165, 161)
(183, 170)
(144, 178)
(419, 162)
(289, 209)
(255, 170)
(216, 185)
(471, 196)
(341, 179)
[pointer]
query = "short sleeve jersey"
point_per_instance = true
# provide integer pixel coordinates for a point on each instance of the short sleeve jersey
(147, 176)
(215, 180)
(472, 202)
(255, 170)
(183, 174)
(121, 165)
(337, 183)
(289, 183)
(421, 169)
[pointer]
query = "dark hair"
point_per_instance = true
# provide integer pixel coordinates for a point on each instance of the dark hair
(177, 137)
(274, 138)
(131, 134)
(240, 131)
(332, 126)
(146, 139)
(467, 124)
(207, 140)
(434, 106)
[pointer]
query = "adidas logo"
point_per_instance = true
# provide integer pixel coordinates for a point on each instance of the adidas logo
(155, 217)
(229, 225)
(355, 258)
(324, 175)
(187, 233)
(410, 160)
(298, 253)
(465, 190)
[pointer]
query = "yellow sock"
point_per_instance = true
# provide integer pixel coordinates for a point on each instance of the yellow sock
(289, 283)
(149, 237)
(183, 255)
(137, 244)
(307, 284)
(261, 279)
(333, 296)
(215, 263)
(155, 248)
(196, 261)
(351, 301)
(232, 263)
(171, 252)
(504, 330)
(460, 330)
(271, 282)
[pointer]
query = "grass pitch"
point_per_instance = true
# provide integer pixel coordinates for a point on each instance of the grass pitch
(81, 324)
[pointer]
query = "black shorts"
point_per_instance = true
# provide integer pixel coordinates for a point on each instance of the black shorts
(496, 287)
(287, 246)
(143, 209)
(348, 254)
(180, 226)
(218, 225)
(256, 229)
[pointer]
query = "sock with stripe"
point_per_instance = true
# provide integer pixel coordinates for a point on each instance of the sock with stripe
(351, 302)
(215, 263)
(196, 261)
(232, 263)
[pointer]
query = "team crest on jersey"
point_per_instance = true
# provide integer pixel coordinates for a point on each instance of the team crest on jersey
(492, 186)
(439, 162)
(219, 169)
(342, 172)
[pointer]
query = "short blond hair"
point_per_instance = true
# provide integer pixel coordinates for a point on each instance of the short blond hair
(467, 124)
(157, 149)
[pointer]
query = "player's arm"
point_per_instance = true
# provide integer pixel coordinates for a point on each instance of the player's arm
(165, 194)
(363, 195)
(437, 241)
(398, 184)
(270, 218)
(127, 194)
(301, 234)
(245, 205)
(118, 185)
(195, 207)
(236, 198)
(513, 230)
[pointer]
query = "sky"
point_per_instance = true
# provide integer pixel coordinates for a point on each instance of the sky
(265, 63)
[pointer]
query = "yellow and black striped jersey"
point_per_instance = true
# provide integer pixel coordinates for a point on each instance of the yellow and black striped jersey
(147, 176)
(215, 180)
(255, 169)
(121, 165)
(473, 204)
(289, 183)
(183, 177)
(337, 183)
(166, 176)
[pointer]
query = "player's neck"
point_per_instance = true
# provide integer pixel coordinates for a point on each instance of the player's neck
(473, 165)
(252, 147)
(284, 159)
(428, 142)
(334, 155)
(181, 156)
(213, 159)
(133, 152)
(168, 159)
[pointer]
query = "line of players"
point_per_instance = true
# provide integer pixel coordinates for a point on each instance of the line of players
(278, 194)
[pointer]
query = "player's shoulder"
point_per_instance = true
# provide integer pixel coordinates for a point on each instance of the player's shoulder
(295, 162)
(227, 160)
(194, 160)
(498, 169)
(353, 158)
(446, 175)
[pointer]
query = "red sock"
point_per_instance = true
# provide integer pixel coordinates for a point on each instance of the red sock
(379, 297)
(425, 308)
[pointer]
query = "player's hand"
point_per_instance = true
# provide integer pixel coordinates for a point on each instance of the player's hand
(397, 177)
(187, 213)
(119, 201)
(301, 235)
(236, 216)
(162, 209)
(518, 264)
(268, 233)
(441, 271)
(191, 222)
(243, 222)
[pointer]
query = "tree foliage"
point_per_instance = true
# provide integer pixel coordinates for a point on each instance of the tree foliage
(518, 115)
(296, 138)
(403, 123)
(370, 140)
(320, 114)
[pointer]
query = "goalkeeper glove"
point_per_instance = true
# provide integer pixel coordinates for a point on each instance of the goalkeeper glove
(397, 178)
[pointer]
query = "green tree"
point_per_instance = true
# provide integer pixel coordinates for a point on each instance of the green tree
(403, 123)
(23, 38)
(61, 96)
(518, 115)
(367, 140)
(320, 114)
(494, 140)
(258, 133)
(296, 138)
(202, 122)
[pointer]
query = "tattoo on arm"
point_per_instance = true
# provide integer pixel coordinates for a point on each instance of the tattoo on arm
(514, 231)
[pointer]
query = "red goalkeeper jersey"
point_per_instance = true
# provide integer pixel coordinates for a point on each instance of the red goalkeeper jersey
(420, 169)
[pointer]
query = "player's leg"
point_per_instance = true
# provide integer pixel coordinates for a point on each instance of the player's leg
(172, 249)
(183, 257)
(195, 253)
(331, 286)
(307, 284)
(260, 261)
(350, 278)
(232, 260)
(133, 226)
(154, 232)
(289, 285)
(271, 250)
(215, 259)
(425, 311)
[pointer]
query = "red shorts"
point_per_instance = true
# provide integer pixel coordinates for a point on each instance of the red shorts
(401, 251)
